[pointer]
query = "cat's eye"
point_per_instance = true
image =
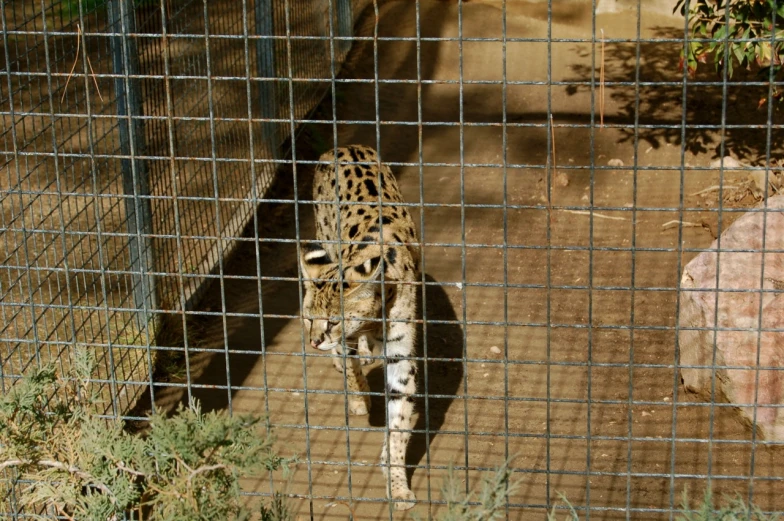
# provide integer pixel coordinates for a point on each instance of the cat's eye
(330, 325)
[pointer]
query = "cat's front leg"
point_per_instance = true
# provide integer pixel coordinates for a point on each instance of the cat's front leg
(356, 382)
(400, 372)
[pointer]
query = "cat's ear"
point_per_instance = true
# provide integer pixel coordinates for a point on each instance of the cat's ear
(367, 271)
(313, 259)
(362, 277)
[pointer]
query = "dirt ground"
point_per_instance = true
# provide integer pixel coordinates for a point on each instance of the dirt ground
(592, 406)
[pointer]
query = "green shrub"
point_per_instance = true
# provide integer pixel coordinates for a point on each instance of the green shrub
(487, 506)
(81, 466)
(741, 35)
(733, 510)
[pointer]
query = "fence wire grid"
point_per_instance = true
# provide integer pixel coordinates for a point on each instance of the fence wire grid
(563, 171)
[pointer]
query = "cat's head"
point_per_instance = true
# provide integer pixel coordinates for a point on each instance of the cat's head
(358, 284)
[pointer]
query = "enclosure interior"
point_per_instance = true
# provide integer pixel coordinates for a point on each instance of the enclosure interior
(545, 149)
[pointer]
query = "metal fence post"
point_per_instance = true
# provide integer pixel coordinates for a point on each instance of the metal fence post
(265, 65)
(136, 185)
(345, 24)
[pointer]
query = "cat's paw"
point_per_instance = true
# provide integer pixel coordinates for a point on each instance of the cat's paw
(405, 499)
(359, 406)
(337, 363)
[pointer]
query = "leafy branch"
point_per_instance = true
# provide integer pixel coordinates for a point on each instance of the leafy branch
(737, 34)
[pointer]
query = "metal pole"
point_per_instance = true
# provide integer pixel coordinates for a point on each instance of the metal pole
(265, 65)
(134, 170)
(345, 23)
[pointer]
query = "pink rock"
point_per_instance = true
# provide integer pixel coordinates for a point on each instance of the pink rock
(738, 380)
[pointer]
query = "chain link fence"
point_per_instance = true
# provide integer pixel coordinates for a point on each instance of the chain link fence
(562, 168)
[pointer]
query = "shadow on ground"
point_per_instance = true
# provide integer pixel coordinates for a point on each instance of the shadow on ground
(661, 107)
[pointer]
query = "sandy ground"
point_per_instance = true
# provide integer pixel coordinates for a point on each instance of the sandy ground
(592, 405)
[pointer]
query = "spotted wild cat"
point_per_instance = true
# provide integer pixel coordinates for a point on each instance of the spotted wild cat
(352, 272)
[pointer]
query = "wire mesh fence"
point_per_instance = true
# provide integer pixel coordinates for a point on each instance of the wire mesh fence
(126, 162)
(559, 165)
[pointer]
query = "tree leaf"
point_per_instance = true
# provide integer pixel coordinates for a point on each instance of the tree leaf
(738, 52)
(680, 5)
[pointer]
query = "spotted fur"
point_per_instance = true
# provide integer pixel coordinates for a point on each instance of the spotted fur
(351, 258)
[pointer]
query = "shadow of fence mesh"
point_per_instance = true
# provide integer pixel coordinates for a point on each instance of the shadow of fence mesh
(102, 230)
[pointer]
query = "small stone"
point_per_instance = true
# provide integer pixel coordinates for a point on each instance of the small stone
(486, 375)
(729, 162)
(495, 350)
(666, 398)
(645, 413)
(758, 184)
(615, 162)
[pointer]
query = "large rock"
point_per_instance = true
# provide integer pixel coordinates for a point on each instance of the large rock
(738, 354)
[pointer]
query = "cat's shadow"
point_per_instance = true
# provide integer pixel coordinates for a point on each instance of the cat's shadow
(440, 373)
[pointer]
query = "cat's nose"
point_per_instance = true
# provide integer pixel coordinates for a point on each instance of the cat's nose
(314, 344)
